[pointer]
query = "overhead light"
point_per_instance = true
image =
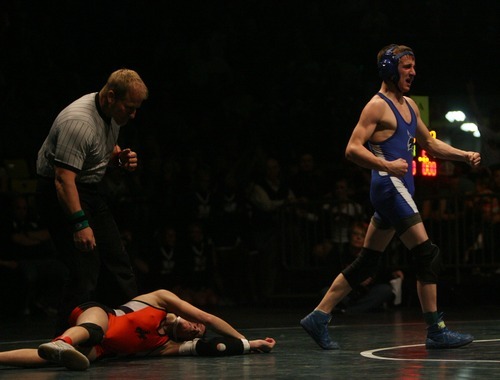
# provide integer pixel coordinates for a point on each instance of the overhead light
(453, 116)
(471, 127)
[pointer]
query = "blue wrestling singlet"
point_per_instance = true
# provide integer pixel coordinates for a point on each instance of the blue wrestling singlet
(392, 197)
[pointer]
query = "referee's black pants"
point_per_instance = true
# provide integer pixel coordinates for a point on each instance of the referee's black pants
(103, 275)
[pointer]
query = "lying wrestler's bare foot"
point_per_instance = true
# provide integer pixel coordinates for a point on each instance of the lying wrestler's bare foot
(262, 345)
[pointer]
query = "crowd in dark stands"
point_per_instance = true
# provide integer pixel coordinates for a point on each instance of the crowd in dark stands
(212, 233)
(251, 104)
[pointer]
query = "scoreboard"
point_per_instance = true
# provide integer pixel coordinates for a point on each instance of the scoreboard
(423, 165)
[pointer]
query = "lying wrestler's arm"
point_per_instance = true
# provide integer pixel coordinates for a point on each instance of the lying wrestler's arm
(218, 346)
(172, 303)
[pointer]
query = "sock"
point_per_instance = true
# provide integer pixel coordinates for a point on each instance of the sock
(66, 339)
(432, 318)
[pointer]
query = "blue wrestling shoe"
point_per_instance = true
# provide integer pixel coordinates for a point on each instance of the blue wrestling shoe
(316, 325)
(438, 336)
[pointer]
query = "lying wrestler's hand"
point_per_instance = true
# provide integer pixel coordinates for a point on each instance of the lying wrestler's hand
(397, 168)
(262, 345)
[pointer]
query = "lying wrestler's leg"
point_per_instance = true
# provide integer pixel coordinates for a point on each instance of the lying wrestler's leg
(73, 336)
(25, 357)
(90, 326)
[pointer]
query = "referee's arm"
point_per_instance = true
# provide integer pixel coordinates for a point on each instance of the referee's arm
(67, 193)
(65, 181)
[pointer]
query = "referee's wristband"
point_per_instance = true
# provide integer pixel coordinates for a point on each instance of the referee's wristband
(78, 221)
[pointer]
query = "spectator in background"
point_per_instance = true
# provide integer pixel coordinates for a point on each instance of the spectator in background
(28, 261)
(489, 126)
(495, 179)
(344, 210)
(201, 282)
(308, 186)
(160, 265)
(229, 232)
(485, 225)
(455, 209)
(197, 203)
(377, 291)
(308, 183)
(268, 196)
(485, 201)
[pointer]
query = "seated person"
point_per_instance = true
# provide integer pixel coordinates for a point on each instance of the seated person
(27, 260)
(375, 292)
(154, 324)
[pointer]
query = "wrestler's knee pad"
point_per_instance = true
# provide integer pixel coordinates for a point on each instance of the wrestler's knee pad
(96, 334)
(365, 265)
(427, 262)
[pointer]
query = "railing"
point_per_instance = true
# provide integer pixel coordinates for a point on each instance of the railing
(466, 229)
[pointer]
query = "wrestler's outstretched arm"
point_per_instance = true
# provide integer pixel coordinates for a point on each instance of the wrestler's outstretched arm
(173, 304)
(262, 345)
(217, 346)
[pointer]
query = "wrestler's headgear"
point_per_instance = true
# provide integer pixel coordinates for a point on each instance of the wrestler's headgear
(388, 63)
(175, 328)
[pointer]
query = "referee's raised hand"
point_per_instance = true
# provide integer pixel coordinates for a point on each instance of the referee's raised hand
(128, 159)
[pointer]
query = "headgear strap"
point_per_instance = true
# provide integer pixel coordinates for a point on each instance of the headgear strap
(174, 327)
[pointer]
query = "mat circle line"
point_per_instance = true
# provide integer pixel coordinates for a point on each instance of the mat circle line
(372, 354)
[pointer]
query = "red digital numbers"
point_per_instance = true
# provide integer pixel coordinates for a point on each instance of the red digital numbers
(424, 165)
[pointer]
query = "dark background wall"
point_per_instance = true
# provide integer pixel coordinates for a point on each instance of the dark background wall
(282, 75)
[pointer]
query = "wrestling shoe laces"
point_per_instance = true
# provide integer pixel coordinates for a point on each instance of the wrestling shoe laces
(316, 325)
(62, 353)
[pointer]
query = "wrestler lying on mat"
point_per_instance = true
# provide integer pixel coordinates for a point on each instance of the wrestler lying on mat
(154, 324)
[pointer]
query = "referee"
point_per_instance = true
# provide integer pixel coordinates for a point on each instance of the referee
(71, 163)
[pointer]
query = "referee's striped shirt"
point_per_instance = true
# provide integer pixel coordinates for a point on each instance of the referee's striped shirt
(81, 140)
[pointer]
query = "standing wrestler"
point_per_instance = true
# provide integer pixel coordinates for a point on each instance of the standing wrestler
(389, 123)
(154, 324)
(71, 163)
